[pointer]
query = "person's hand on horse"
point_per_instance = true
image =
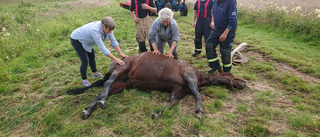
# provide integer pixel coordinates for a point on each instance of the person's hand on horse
(124, 56)
(169, 55)
(120, 62)
(156, 52)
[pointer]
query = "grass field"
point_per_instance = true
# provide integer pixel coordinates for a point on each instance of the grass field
(37, 60)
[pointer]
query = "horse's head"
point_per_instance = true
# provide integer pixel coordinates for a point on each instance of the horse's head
(227, 79)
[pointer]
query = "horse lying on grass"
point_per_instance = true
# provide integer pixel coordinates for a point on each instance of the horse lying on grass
(156, 72)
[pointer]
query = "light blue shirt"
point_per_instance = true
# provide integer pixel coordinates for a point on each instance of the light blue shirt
(92, 33)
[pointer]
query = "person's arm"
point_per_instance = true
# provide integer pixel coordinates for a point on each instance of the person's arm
(232, 20)
(224, 35)
(169, 54)
(132, 8)
(212, 23)
(119, 61)
(147, 7)
(152, 37)
(120, 53)
(175, 37)
(195, 14)
(155, 49)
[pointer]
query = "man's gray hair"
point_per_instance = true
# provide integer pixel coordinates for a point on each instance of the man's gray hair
(165, 13)
(108, 23)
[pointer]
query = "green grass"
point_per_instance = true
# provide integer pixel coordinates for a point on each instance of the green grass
(37, 60)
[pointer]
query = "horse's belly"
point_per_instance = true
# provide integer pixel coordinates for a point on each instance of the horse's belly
(151, 85)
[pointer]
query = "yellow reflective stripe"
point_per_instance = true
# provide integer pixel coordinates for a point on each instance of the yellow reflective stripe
(198, 49)
(213, 60)
(227, 65)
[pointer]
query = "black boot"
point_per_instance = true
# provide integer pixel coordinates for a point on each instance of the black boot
(198, 47)
(214, 66)
(142, 47)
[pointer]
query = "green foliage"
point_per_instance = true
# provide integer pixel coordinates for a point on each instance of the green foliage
(256, 128)
(303, 120)
(292, 23)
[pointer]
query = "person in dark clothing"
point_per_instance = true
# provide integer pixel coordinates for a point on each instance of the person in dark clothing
(142, 20)
(224, 14)
(202, 13)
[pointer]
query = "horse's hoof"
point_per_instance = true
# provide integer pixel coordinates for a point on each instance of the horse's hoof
(102, 104)
(85, 114)
(199, 116)
(155, 116)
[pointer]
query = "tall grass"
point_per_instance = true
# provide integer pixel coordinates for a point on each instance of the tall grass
(292, 22)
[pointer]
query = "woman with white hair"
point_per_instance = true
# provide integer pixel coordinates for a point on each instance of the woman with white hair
(164, 29)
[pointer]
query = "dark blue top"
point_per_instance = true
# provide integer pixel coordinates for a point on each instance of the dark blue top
(141, 12)
(202, 4)
(225, 13)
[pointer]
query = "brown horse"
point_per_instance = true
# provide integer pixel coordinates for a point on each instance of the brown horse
(157, 72)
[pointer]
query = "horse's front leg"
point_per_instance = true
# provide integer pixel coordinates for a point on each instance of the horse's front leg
(192, 80)
(106, 88)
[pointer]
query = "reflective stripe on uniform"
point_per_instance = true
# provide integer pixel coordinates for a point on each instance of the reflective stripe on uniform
(213, 60)
(198, 49)
(227, 65)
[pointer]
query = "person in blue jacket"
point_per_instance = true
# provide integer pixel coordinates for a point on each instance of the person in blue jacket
(202, 13)
(224, 14)
(83, 40)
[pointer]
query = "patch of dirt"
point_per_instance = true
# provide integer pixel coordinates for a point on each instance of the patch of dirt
(285, 67)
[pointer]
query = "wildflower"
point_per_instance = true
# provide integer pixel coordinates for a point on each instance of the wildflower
(318, 15)
(7, 34)
(297, 9)
(7, 57)
(3, 29)
(38, 30)
(317, 11)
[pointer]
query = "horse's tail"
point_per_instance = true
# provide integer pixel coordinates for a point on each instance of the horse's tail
(98, 83)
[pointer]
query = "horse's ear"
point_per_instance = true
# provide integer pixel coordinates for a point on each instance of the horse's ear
(220, 70)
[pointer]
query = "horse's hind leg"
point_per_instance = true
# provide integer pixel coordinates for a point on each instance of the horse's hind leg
(88, 110)
(174, 99)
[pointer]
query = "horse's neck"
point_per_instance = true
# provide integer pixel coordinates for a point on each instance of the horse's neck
(204, 79)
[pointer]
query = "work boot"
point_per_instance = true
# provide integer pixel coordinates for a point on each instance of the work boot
(212, 70)
(142, 47)
(195, 54)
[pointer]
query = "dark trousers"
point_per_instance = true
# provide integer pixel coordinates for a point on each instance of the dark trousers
(202, 29)
(225, 48)
(85, 57)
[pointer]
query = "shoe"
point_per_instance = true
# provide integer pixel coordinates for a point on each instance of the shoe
(195, 54)
(98, 74)
(212, 71)
(86, 83)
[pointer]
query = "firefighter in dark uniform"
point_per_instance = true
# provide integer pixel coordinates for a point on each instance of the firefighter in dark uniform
(224, 14)
(202, 13)
(142, 19)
